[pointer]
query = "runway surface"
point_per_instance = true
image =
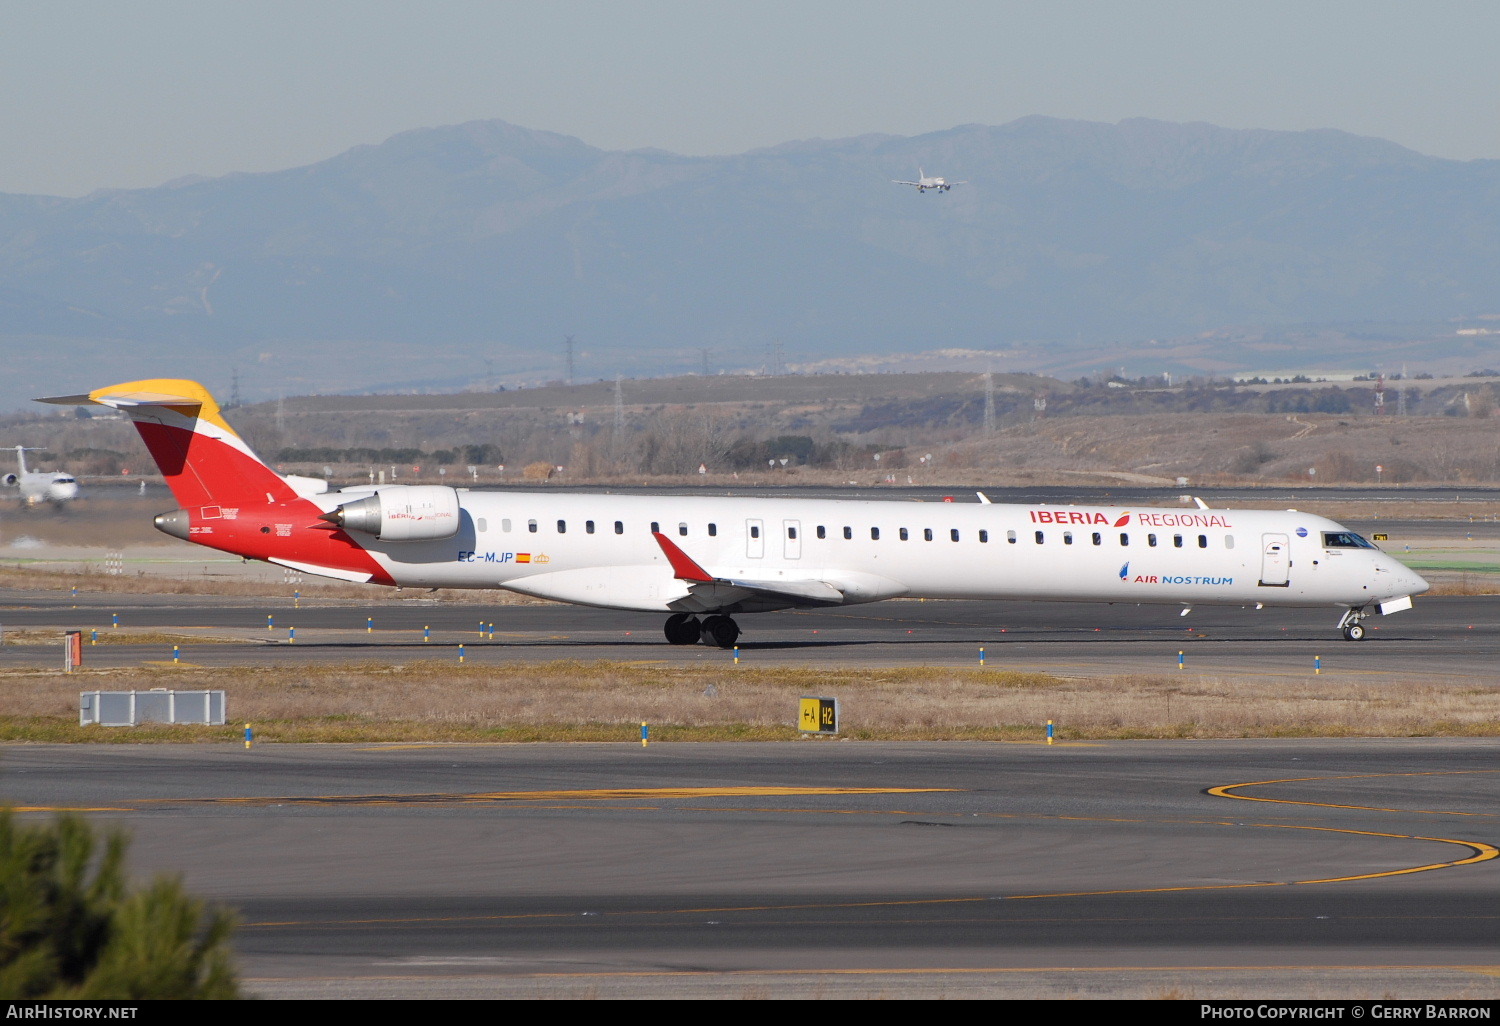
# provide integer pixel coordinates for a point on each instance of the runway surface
(1354, 868)
(1452, 638)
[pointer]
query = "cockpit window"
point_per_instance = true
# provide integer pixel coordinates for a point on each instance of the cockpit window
(1344, 540)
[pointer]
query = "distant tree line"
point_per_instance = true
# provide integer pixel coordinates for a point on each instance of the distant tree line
(481, 454)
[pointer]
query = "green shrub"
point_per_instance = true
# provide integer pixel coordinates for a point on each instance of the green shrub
(71, 927)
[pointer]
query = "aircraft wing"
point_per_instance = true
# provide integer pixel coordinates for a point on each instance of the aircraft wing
(720, 592)
(894, 182)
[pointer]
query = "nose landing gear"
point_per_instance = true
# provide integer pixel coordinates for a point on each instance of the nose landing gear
(1351, 626)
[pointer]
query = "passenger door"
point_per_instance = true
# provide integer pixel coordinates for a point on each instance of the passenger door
(1275, 561)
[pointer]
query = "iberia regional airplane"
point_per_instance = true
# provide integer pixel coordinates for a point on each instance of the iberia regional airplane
(704, 559)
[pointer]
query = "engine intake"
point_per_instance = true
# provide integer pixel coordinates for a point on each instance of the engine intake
(401, 513)
(9, 480)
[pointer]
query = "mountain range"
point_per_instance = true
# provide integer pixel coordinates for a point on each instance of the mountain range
(465, 256)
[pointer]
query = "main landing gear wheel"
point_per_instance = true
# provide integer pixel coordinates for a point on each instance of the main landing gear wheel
(682, 629)
(720, 630)
(1354, 632)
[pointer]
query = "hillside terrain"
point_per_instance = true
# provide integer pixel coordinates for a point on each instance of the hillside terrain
(463, 257)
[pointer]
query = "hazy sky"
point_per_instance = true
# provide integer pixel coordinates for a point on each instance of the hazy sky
(129, 93)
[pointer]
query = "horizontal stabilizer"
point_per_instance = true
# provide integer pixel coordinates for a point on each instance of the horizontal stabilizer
(199, 455)
(119, 399)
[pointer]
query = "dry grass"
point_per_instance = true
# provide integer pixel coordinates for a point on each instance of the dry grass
(607, 701)
(161, 639)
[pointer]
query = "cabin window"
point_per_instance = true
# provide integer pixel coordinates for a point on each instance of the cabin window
(505, 525)
(1040, 538)
(874, 534)
(1229, 541)
(562, 527)
(848, 533)
(755, 530)
(655, 527)
(984, 537)
(1010, 536)
(904, 535)
(927, 533)
(1067, 537)
(822, 531)
(953, 534)
(1124, 538)
(682, 530)
(1176, 541)
(713, 530)
(588, 527)
(482, 524)
(619, 527)
(1203, 541)
(531, 526)
(791, 532)
(1098, 538)
(1151, 540)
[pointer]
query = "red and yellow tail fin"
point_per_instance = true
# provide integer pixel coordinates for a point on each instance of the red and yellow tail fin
(202, 458)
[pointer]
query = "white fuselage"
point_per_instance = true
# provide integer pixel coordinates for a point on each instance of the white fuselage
(600, 549)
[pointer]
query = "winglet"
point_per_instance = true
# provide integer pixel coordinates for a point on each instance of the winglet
(683, 566)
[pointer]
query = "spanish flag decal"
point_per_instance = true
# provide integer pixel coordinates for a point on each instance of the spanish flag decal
(523, 557)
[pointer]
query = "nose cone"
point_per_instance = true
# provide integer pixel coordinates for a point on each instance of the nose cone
(1403, 580)
(1416, 582)
(175, 523)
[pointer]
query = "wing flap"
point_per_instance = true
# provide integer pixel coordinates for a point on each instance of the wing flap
(803, 592)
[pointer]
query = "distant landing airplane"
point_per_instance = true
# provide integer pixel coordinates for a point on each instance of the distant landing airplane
(701, 560)
(39, 486)
(923, 183)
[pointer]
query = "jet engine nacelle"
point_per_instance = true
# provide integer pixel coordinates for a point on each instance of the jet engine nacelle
(402, 513)
(9, 480)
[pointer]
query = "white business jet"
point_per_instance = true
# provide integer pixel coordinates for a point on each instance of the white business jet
(703, 560)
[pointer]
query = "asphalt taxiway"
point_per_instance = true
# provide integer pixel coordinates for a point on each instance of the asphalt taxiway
(1288, 868)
